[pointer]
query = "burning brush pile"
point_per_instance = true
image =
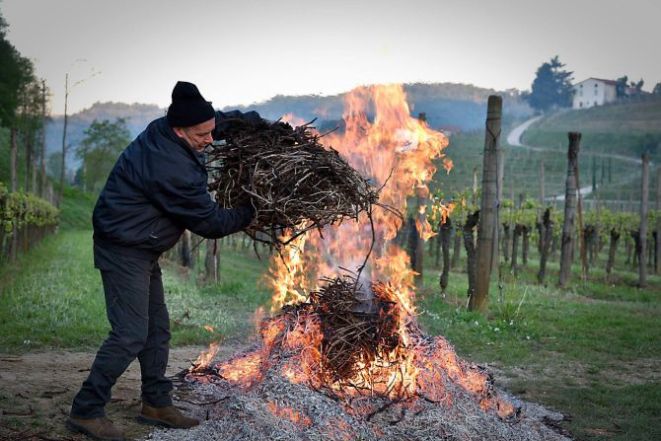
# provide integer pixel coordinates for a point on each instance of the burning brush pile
(342, 356)
(352, 364)
(289, 177)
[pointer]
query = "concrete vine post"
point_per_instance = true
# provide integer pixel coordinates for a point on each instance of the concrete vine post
(489, 206)
(570, 208)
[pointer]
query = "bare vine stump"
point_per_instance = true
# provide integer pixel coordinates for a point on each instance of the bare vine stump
(444, 239)
(525, 233)
(469, 244)
(456, 254)
(546, 233)
(612, 249)
(518, 229)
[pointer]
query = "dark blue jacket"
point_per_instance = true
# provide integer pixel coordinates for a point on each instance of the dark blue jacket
(157, 189)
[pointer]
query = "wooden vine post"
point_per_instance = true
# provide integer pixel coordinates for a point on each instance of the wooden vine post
(642, 231)
(489, 206)
(581, 228)
(42, 159)
(421, 194)
(657, 246)
(570, 208)
(63, 162)
(445, 234)
(496, 238)
(542, 192)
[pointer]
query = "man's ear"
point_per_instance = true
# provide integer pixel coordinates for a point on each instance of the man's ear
(179, 131)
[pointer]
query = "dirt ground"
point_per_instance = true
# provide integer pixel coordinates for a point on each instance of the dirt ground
(36, 391)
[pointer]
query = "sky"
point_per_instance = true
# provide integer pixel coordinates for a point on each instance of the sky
(241, 52)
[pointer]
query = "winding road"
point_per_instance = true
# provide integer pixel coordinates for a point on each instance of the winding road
(515, 136)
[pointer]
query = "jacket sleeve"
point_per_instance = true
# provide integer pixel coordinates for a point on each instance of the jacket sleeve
(225, 120)
(188, 204)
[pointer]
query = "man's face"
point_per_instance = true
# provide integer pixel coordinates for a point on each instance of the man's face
(198, 136)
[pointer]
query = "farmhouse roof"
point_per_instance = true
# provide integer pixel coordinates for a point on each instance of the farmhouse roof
(611, 82)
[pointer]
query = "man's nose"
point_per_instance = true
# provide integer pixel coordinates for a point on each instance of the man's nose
(208, 139)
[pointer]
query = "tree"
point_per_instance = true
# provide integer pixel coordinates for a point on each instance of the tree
(657, 89)
(638, 87)
(552, 86)
(16, 72)
(53, 164)
(621, 86)
(103, 143)
(16, 76)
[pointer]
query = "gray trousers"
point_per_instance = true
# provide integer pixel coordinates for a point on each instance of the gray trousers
(140, 327)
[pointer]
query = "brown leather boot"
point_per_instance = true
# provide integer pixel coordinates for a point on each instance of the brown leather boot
(166, 416)
(98, 428)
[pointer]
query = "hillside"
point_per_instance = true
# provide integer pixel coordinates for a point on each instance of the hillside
(137, 117)
(614, 137)
(446, 104)
(625, 128)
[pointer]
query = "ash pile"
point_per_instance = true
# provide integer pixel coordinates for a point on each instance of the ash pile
(351, 363)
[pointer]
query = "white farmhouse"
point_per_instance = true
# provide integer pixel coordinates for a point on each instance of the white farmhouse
(594, 92)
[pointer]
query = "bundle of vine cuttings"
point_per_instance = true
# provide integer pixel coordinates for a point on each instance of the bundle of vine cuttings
(292, 180)
(358, 326)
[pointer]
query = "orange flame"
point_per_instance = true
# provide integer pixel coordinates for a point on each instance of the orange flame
(205, 358)
(293, 120)
(397, 152)
(284, 412)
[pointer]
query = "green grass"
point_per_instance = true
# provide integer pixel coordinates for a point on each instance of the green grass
(53, 298)
(76, 209)
(590, 351)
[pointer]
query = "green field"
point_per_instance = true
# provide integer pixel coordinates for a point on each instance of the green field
(608, 131)
(626, 128)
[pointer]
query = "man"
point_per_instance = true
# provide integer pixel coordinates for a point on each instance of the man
(155, 191)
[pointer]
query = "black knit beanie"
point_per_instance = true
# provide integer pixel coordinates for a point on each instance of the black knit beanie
(188, 107)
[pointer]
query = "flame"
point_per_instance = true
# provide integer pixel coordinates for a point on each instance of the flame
(205, 358)
(287, 275)
(293, 120)
(285, 412)
(447, 165)
(209, 328)
(396, 152)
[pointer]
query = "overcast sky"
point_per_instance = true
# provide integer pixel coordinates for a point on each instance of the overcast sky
(239, 52)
